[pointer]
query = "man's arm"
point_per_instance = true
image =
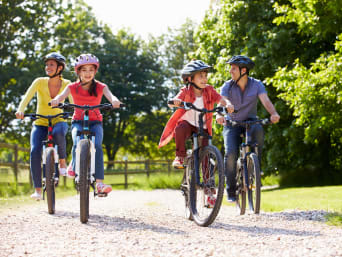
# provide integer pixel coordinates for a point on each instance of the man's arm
(266, 102)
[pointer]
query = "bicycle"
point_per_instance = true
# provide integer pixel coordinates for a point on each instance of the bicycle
(203, 175)
(248, 173)
(50, 160)
(85, 158)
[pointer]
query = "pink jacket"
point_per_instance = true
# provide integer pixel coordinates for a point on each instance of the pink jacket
(187, 94)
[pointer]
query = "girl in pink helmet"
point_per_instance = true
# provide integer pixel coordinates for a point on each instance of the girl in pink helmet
(88, 91)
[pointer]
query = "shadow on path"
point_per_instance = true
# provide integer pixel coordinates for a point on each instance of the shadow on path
(108, 223)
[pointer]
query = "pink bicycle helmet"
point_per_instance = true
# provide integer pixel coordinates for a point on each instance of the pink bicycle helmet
(84, 59)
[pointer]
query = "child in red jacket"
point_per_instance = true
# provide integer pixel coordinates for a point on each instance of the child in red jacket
(183, 123)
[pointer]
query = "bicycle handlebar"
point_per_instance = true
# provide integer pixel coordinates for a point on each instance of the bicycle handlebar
(35, 116)
(187, 106)
(249, 122)
(106, 106)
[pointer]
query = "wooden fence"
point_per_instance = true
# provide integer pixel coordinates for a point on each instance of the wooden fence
(122, 167)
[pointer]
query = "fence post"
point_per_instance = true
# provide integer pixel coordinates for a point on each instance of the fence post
(15, 167)
(168, 167)
(126, 180)
(147, 168)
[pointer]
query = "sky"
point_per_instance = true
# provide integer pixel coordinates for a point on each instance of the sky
(145, 17)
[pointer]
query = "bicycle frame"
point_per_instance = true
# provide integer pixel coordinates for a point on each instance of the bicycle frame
(201, 133)
(49, 143)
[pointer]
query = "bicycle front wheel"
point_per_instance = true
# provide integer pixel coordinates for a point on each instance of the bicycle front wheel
(50, 181)
(84, 179)
(207, 186)
(240, 189)
(185, 187)
(254, 183)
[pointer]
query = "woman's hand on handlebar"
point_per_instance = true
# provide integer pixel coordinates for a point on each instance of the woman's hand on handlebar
(19, 115)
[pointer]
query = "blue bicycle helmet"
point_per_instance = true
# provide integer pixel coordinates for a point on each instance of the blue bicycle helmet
(242, 62)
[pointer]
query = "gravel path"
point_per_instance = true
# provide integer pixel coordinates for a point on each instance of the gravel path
(151, 223)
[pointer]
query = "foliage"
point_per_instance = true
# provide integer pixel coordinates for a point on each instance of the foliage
(319, 113)
(291, 34)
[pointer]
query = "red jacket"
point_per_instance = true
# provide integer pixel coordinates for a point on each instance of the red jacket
(187, 94)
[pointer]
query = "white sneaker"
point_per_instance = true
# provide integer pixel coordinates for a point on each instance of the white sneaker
(62, 172)
(37, 196)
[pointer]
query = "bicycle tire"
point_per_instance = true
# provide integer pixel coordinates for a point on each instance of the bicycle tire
(84, 179)
(254, 183)
(185, 187)
(50, 181)
(240, 191)
(210, 160)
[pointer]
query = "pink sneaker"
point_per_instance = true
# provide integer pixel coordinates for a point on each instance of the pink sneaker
(103, 188)
(211, 200)
(71, 173)
(178, 162)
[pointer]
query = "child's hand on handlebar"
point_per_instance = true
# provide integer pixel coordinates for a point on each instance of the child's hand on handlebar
(176, 102)
(116, 104)
(54, 102)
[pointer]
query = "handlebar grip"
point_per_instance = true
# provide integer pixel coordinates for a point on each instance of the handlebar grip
(122, 105)
(170, 102)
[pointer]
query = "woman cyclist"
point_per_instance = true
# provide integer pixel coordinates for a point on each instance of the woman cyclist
(46, 89)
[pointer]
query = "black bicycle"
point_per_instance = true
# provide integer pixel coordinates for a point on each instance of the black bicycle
(50, 160)
(85, 157)
(203, 179)
(248, 174)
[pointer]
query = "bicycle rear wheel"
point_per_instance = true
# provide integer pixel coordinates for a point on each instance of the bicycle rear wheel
(207, 186)
(84, 179)
(50, 181)
(254, 183)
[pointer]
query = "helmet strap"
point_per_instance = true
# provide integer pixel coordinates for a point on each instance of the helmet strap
(194, 85)
(57, 74)
(240, 76)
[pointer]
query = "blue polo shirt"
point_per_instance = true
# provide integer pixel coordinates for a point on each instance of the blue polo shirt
(244, 102)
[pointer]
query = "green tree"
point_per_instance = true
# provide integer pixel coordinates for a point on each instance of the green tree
(274, 34)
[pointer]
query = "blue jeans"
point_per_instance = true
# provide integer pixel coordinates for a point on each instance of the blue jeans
(232, 141)
(95, 127)
(38, 135)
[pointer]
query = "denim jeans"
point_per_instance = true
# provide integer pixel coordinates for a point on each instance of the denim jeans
(38, 135)
(95, 127)
(232, 141)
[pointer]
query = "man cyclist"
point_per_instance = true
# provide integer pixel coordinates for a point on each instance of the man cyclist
(242, 93)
